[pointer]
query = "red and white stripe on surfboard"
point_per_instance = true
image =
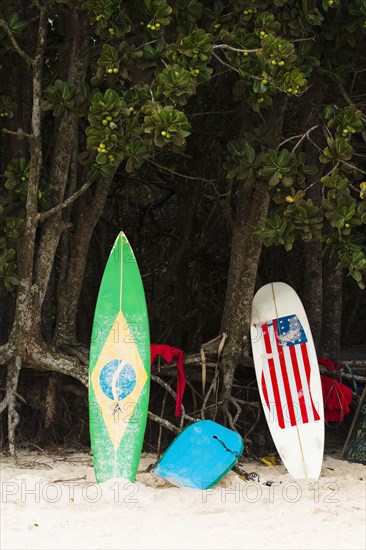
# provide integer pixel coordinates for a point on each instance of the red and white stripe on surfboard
(286, 376)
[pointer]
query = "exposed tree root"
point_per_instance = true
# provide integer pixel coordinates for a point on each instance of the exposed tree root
(11, 388)
(53, 360)
(163, 422)
(7, 352)
(72, 361)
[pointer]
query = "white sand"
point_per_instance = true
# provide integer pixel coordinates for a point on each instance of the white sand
(51, 501)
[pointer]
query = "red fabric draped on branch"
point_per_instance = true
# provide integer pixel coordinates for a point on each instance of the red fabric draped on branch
(337, 397)
(169, 353)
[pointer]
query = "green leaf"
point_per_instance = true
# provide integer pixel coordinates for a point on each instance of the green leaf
(235, 149)
(250, 152)
(101, 158)
(16, 25)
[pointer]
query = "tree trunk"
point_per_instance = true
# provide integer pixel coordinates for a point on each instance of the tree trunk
(25, 347)
(244, 259)
(69, 289)
(313, 288)
(313, 251)
(313, 272)
(246, 248)
(27, 316)
(332, 309)
(62, 156)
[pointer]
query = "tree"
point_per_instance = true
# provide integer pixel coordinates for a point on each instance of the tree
(112, 86)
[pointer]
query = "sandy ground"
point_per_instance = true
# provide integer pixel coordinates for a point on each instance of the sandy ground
(52, 501)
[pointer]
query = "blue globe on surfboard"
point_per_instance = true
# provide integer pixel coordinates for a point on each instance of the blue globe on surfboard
(117, 379)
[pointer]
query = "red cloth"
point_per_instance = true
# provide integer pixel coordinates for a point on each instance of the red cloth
(328, 362)
(168, 353)
(337, 397)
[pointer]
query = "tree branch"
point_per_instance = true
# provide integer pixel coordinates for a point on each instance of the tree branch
(164, 168)
(224, 63)
(237, 406)
(146, 44)
(65, 203)
(170, 390)
(29, 60)
(326, 175)
(19, 133)
(353, 167)
(301, 136)
(227, 47)
(4, 403)
(345, 95)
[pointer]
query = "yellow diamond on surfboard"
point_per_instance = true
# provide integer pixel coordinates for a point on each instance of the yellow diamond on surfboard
(113, 384)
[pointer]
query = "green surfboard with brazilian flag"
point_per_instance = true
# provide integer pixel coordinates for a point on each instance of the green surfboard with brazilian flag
(119, 367)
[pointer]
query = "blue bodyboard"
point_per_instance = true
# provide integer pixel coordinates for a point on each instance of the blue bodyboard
(200, 455)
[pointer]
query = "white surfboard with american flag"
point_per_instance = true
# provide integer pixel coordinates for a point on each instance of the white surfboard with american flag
(288, 378)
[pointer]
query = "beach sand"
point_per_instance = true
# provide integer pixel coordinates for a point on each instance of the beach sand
(51, 501)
